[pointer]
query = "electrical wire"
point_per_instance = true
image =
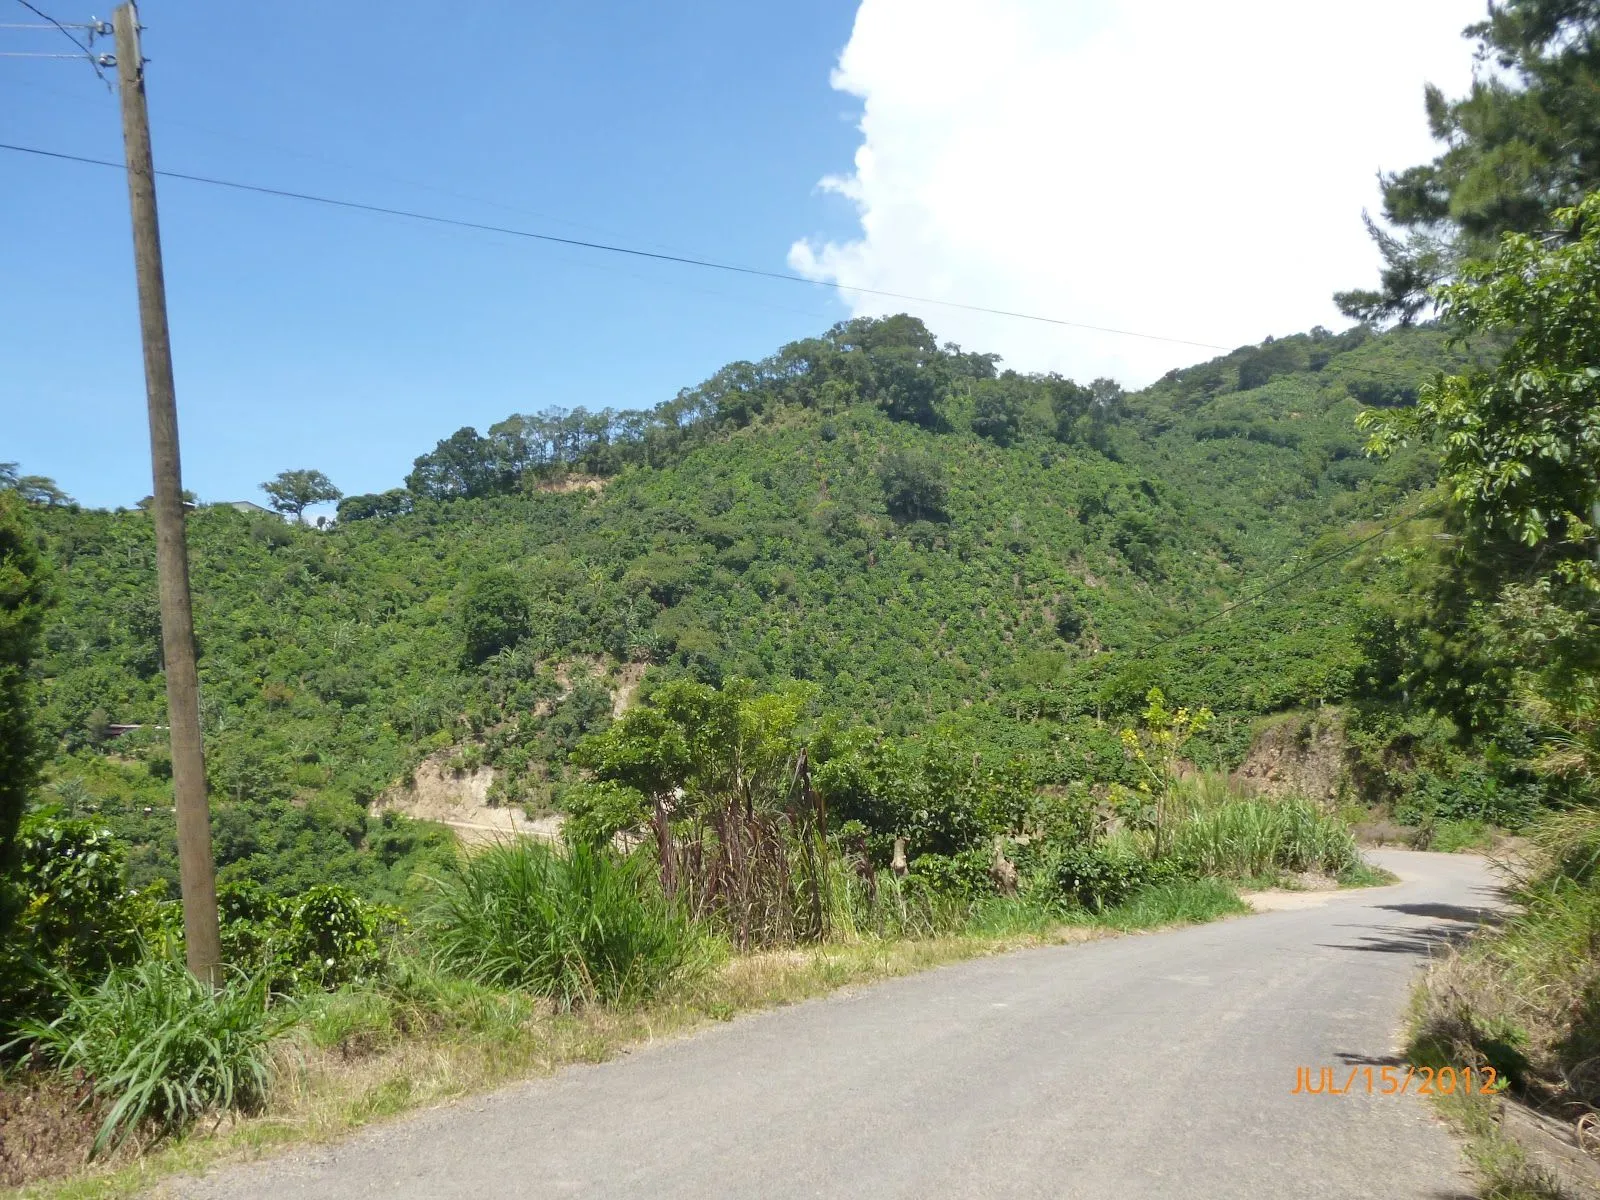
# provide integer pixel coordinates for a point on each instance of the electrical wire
(235, 138)
(1286, 580)
(65, 32)
(635, 252)
(68, 34)
(710, 264)
(658, 256)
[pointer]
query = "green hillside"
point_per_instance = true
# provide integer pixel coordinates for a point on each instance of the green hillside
(929, 541)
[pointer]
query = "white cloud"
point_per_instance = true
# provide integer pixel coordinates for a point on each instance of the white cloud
(1193, 170)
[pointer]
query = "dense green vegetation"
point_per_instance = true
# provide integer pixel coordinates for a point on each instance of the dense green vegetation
(24, 598)
(868, 640)
(1511, 608)
(826, 516)
(896, 614)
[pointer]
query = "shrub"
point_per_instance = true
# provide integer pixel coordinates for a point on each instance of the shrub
(1245, 839)
(962, 876)
(25, 598)
(580, 925)
(1102, 874)
(597, 812)
(1468, 794)
(77, 918)
(161, 1046)
(324, 938)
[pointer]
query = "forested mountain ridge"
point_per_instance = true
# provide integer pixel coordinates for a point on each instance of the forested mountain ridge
(922, 537)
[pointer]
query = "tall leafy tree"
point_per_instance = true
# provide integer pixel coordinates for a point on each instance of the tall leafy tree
(1519, 445)
(494, 615)
(914, 487)
(25, 596)
(998, 407)
(295, 491)
(1522, 143)
(461, 466)
(35, 489)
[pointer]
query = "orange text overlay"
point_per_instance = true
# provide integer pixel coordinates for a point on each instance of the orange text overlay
(1395, 1081)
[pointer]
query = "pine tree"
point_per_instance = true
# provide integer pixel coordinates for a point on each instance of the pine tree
(1522, 143)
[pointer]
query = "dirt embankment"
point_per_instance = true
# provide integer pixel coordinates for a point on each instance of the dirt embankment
(460, 799)
(572, 483)
(1299, 754)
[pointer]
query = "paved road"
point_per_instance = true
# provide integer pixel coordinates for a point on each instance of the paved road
(1154, 1066)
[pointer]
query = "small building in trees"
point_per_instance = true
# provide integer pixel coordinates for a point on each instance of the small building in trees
(248, 507)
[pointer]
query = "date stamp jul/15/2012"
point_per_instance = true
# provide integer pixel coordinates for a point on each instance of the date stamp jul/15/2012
(1396, 1081)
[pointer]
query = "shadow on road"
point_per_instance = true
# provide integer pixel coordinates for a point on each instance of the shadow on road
(1418, 940)
(1372, 1060)
(1399, 939)
(1446, 925)
(1449, 912)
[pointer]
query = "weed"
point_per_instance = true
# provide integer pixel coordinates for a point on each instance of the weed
(1178, 902)
(1246, 838)
(161, 1046)
(578, 925)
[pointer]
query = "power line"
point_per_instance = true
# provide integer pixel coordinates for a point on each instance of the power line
(684, 260)
(389, 177)
(372, 172)
(1286, 580)
(65, 32)
(71, 37)
(658, 256)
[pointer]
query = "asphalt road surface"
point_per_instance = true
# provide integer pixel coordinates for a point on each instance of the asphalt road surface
(1148, 1066)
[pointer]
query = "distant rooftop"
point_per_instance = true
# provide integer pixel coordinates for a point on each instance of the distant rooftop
(244, 506)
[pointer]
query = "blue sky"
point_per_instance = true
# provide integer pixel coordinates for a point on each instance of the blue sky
(1197, 171)
(310, 337)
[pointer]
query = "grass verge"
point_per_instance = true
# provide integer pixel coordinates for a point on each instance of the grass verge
(1524, 998)
(1501, 1165)
(367, 1055)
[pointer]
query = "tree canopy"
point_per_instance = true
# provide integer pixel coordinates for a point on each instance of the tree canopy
(25, 598)
(743, 530)
(1521, 144)
(295, 491)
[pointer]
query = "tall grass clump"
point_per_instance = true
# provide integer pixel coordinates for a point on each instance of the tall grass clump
(579, 925)
(1525, 997)
(1248, 838)
(1174, 902)
(160, 1046)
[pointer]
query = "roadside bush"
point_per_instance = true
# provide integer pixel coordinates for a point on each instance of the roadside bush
(326, 937)
(1247, 839)
(1102, 874)
(161, 1046)
(963, 876)
(597, 812)
(582, 925)
(1468, 794)
(76, 918)
(1525, 998)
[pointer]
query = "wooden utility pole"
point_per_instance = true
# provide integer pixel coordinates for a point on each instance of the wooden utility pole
(196, 869)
